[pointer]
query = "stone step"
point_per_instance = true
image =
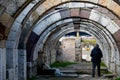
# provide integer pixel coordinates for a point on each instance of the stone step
(109, 75)
(72, 71)
(71, 77)
(83, 68)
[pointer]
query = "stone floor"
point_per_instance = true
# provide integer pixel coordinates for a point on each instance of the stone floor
(80, 71)
(69, 78)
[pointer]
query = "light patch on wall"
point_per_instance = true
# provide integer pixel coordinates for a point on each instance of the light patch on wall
(112, 28)
(94, 15)
(104, 20)
(77, 5)
(42, 24)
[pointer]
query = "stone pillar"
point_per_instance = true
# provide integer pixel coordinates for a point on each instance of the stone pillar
(78, 49)
(2, 64)
(22, 64)
(12, 63)
(31, 69)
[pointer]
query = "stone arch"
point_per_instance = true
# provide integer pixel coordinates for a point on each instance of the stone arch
(50, 44)
(17, 28)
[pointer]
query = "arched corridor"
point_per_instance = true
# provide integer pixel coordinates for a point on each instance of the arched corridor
(30, 28)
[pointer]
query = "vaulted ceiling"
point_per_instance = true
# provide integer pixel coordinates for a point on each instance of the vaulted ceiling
(39, 24)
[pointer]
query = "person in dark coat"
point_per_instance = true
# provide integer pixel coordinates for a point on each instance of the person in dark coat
(96, 55)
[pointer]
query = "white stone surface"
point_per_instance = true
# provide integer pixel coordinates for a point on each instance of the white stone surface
(13, 35)
(2, 64)
(94, 15)
(16, 26)
(40, 27)
(68, 20)
(12, 61)
(35, 54)
(75, 5)
(20, 18)
(104, 20)
(22, 65)
(28, 8)
(10, 44)
(78, 4)
(60, 22)
(40, 10)
(46, 22)
(112, 28)
(55, 17)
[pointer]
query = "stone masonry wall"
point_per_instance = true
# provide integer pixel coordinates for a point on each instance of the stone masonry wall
(67, 51)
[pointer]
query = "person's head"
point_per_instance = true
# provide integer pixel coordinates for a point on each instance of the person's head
(96, 45)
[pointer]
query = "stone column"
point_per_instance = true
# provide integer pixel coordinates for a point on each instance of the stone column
(22, 64)
(78, 49)
(31, 69)
(2, 64)
(12, 63)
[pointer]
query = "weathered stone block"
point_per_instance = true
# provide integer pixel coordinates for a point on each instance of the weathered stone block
(33, 17)
(117, 21)
(2, 64)
(22, 64)
(12, 61)
(104, 21)
(103, 2)
(85, 13)
(55, 17)
(13, 35)
(10, 44)
(48, 4)
(54, 2)
(67, 55)
(75, 5)
(118, 45)
(20, 18)
(5, 18)
(40, 9)
(27, 9)
(116, 7)
(16, 26)
(117, 36)
(65, 13)
(67, 20)
(94, 15)
(75, 12)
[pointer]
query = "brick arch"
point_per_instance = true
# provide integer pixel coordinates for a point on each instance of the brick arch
(54, 3)
(105, 46)
(17, 28)
(44, 9)
(52, 42)
(38, 34)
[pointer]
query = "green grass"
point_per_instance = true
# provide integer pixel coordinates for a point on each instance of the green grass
(92, 41)
(118, 78)
(105, 72)
(103, 64)
(62, 64)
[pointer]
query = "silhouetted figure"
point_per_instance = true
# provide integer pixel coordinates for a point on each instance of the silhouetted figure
(96, 55)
